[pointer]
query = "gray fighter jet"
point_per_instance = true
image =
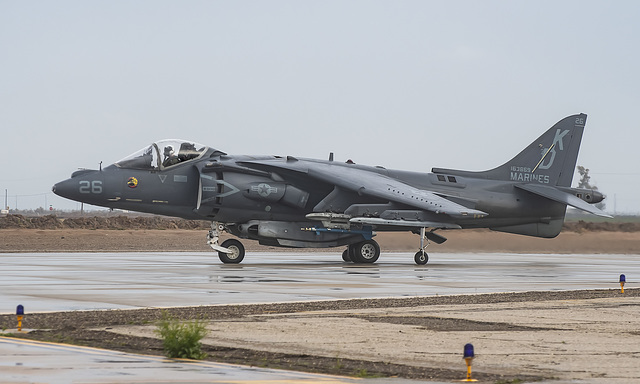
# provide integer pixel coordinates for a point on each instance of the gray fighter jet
(288, 201)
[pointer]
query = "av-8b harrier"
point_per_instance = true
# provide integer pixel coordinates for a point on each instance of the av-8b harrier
(288, 201)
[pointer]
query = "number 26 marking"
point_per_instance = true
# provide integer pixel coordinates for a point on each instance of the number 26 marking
(90, 186)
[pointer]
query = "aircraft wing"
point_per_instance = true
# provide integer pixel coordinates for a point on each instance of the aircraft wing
(562, 197)
(374, 184)
(381, 186)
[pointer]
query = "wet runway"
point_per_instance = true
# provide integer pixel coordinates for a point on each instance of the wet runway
(82, 281)
(27, 361)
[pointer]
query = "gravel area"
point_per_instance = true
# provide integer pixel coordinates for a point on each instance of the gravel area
(132, 331)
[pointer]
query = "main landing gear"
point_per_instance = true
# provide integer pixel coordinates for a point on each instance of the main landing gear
(231, 251)
(365, 252)
(368, 251)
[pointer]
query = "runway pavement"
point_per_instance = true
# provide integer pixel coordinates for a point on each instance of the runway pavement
(84, 281)
(26, 361)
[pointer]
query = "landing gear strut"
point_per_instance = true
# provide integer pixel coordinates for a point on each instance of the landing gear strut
(231, 251)
(421, 257)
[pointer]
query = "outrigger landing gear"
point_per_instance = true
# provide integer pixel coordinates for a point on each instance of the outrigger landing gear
(231, 251)
(421, 257)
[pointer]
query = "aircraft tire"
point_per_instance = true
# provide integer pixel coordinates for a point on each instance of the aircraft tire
(238, 252)
(346, 255)
(421, 258)
(366, 252)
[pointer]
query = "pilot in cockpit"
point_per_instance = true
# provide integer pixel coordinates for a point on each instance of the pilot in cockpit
(187, 152)
(170, 157)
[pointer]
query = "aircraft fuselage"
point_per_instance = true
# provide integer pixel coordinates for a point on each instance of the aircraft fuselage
(296, 202)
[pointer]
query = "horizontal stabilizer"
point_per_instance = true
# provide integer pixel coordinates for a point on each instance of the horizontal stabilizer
(562, 197)
(404, 223)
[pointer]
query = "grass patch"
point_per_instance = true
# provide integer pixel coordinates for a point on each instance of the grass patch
(363, 374)
(182, 339)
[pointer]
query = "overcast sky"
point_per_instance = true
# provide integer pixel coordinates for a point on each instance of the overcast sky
(403, 84)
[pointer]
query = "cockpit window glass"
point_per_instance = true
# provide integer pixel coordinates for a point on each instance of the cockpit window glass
(146, 158)
(163, 154)
(178, 151)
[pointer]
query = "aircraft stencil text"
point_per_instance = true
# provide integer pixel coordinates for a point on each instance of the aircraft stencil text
(520, 169)
(86, 186)
(526, 177)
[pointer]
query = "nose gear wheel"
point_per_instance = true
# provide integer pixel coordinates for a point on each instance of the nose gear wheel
(231, 251)
(237, 252)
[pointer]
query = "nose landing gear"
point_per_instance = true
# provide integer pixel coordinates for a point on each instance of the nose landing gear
(237, 252)
(231, 251)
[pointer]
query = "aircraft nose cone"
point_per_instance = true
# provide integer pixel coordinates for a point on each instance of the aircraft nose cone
(85, 185)
(66, 188)
(57, 189)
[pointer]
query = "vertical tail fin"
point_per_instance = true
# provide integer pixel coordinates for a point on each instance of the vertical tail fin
(550, 159)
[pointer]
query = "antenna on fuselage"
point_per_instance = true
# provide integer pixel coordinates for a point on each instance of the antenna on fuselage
(101, 166)
(330, 156)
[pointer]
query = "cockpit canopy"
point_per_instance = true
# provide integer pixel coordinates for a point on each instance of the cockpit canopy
(163, 154)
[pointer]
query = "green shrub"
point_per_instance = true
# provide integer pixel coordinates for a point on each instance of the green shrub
(182, 339)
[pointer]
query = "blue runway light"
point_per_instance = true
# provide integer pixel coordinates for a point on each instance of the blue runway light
(468, 358)
(468, 351)
(623, 279)
(20, 316)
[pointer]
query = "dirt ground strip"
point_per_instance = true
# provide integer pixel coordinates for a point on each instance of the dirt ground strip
(108, 240)
(568, 335)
